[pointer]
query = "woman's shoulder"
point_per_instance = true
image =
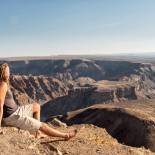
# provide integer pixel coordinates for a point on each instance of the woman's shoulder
(3, 84)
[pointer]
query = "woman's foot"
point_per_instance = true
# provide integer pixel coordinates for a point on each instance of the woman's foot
(71, 134)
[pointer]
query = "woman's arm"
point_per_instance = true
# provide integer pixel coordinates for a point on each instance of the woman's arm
(3, 90)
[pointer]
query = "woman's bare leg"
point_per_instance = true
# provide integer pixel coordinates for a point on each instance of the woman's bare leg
(48, 130)
(55, 133)
(36, 115)
(36, 111)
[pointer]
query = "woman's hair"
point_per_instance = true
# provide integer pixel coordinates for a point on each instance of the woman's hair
(3, 66)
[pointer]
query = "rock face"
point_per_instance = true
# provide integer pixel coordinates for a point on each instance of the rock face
(142, 75)
(95, 69)
(72, 84)
(133, 128)
(144, 81)
(81, 97)
(27, 89)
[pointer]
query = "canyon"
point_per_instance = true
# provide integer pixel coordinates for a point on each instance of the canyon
(115, 95)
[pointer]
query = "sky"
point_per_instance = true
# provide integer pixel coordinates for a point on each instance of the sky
(53, 27)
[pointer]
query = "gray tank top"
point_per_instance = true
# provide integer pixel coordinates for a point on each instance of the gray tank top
(10, 105)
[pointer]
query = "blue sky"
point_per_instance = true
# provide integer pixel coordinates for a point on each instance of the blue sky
(51, 27)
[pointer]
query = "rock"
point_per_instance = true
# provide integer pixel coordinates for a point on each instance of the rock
(57, 122)
(28, 89)
(80, 97)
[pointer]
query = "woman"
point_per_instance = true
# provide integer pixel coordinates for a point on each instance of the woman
(25, 117)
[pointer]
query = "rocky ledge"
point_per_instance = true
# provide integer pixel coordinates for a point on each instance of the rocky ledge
(89, 140)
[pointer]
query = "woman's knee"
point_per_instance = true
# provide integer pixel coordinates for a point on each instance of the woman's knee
(36, 107)
(43, 126)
